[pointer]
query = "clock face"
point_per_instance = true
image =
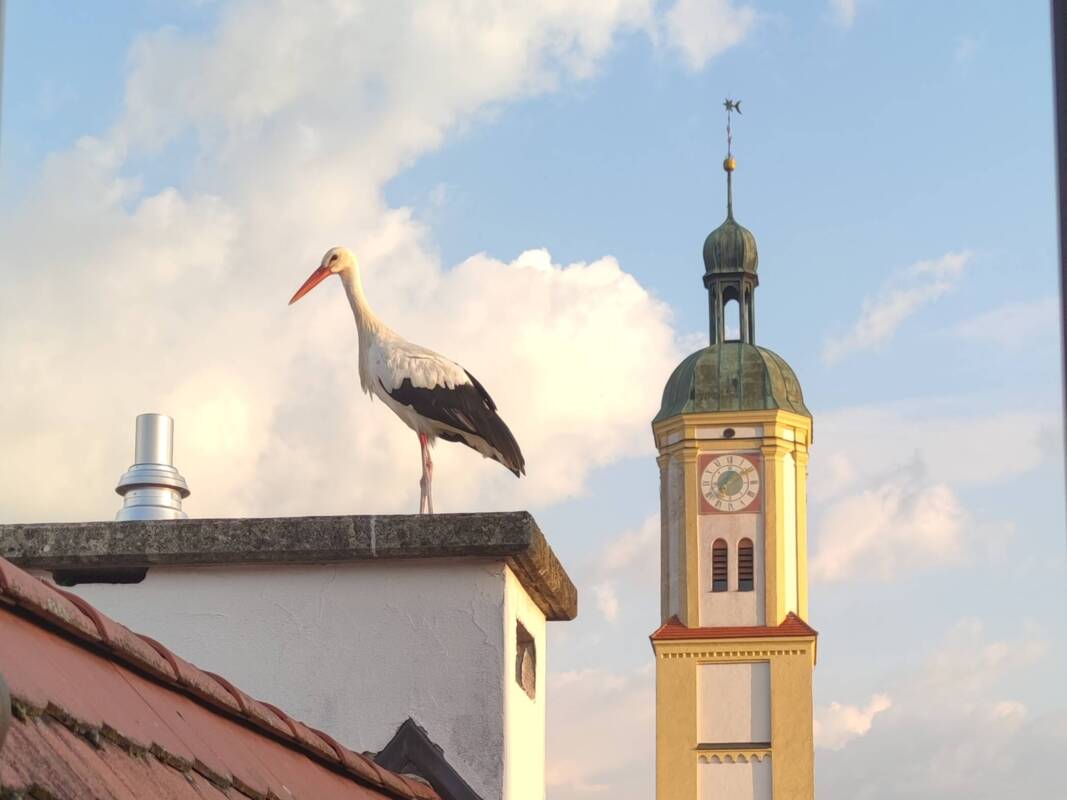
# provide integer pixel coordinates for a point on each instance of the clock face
(730, 483)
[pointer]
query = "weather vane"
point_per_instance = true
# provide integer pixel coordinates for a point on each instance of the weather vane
(730, 106)
(728, 163)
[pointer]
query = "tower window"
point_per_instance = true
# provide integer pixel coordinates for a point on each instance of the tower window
(719, 564)
(745, 566)
(525, 660)
(731, 314)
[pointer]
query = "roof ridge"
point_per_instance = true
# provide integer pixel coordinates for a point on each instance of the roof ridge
(89, 627)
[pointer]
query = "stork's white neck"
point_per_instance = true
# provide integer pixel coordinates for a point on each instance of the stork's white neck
(368, 326)
(366, 321)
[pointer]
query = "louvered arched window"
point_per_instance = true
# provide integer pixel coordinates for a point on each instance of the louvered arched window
(719, 565)
(745, 566)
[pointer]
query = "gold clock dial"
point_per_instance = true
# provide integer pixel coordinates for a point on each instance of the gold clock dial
(730, 483)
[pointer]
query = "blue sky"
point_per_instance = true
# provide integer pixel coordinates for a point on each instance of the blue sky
(875, 137)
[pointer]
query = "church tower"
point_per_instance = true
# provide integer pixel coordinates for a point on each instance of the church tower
(734, 655)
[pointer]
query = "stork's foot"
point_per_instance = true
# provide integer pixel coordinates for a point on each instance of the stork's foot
(425, 497)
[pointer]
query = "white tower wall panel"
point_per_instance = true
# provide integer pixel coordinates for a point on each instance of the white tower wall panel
(746, 780)
(789, 530)
(675, 532)
(732, 607)
(734, 703)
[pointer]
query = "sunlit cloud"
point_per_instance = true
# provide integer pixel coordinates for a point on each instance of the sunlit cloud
(885, 484)
(838, 724)
(895, 527)
(843, 12)
(902, 296)
(173, 300)
(1013, 325)
(603, 725)
(950, 727)
(702, 29)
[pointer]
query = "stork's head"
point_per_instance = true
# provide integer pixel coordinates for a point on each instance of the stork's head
(337, 259)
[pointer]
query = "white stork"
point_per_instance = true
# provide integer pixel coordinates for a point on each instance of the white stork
(434, 395)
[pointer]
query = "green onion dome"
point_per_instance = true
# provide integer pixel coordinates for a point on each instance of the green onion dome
(732, 376)
(730, 248)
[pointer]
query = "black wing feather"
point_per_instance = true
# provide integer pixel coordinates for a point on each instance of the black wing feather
(467, 408)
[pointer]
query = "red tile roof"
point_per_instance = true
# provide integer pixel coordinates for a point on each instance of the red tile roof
(792, 625)
(102, 712)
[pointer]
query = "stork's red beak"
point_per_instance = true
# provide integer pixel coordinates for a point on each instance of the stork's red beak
(314, 280)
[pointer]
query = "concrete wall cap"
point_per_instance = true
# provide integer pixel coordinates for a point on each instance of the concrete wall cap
(513, 537)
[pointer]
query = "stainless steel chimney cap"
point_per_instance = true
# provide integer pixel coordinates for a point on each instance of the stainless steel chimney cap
(152, 488)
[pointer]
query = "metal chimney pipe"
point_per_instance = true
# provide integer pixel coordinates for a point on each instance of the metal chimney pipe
(152, 488)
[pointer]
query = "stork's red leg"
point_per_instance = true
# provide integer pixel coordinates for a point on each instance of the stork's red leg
(425, 483)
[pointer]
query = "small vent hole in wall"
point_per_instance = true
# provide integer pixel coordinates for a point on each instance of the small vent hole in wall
(728, 433)
(73, 577)
(525, 660)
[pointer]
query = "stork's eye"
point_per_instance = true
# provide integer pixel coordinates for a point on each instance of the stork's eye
(333, 258)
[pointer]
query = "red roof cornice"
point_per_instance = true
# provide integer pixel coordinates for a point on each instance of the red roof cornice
(792, 626)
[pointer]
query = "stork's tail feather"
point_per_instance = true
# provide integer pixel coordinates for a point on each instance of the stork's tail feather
(497, 434)
(464, 413)
(512, 455)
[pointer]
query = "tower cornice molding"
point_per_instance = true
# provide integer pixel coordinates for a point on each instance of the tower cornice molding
(776, 447)
(730, 755)
(708, 651)
(774, 423)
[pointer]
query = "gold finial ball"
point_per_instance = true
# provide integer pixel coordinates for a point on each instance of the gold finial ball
(729, 163)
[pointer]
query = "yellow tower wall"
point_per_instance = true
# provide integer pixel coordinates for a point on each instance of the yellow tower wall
(679, 748)
(686, 767)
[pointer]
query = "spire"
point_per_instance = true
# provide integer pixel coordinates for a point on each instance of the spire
(728, 163)
(730, 261)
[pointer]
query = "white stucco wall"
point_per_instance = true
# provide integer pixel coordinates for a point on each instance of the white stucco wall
(789, 522)
(675, 530)
(734, 781)
(524, 717)
(731, 607)
(734, 703)
(357, 648)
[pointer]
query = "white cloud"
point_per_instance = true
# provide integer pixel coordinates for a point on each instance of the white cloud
(702, 29)
(968, 664)
(602, 740)
(174, 300)
(898, 526)
(627, 561)
(956, 727)
(907, 291)
(858, 447)
(1013, 325)
(836, 725)
(884, 486)
(843, 12)
(607, 600)
(601, 721)
(636, 548)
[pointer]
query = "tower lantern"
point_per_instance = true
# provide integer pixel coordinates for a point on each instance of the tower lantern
(731, 260)
(734, 653)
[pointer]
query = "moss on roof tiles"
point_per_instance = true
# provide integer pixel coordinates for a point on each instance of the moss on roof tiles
(732, 376)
